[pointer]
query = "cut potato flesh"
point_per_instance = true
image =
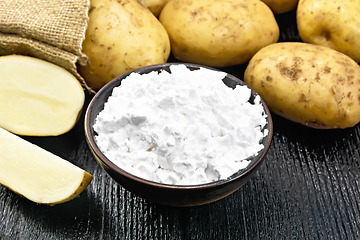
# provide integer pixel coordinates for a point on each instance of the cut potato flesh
(38, 98)
(37, 174)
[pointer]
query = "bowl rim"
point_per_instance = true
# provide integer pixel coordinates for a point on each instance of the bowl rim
(158, 67)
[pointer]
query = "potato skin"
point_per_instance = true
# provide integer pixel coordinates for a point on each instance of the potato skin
(121, 36)
(334, 24)
(309, 84)
(218, 33)
(281, 6)
(155, 6)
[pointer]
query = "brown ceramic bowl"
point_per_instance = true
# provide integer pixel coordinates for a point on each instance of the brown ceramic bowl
(173, 195)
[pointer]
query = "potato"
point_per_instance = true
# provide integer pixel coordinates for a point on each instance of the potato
(38, 98)
(37, 174)
(281, 6)
(334, 24)
(218, 33)
(155, 6)
(121, 36)
(308, 84)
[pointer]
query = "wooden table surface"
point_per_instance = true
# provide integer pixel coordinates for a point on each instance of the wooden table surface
(307, 188)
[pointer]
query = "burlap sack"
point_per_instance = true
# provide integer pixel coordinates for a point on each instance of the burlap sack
(52, 30)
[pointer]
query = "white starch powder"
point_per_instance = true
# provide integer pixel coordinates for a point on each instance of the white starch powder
(183, 128)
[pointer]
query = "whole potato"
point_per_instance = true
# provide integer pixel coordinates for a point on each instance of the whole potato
(121, 36)
(281, 6)
(308, 84)
(334, 24)
(218, 32)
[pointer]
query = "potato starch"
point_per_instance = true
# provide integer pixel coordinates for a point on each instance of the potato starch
(184, 127)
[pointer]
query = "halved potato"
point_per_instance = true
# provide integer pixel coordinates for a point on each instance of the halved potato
(37, 174)
(38, 98)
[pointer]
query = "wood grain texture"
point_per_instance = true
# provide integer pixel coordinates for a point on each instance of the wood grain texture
(307, 188)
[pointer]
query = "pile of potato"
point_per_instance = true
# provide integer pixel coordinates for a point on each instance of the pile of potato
(125, 35)
(315, 82)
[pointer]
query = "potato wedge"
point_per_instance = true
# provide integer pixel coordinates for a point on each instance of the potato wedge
(38, 98)
(37, 174)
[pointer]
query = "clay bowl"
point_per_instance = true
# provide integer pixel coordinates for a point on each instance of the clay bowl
(172, 195)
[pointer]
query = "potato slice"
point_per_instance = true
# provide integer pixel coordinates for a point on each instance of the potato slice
(38, 98)
(37, 174)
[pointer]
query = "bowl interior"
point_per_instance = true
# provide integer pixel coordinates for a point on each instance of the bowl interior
(97, 104)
